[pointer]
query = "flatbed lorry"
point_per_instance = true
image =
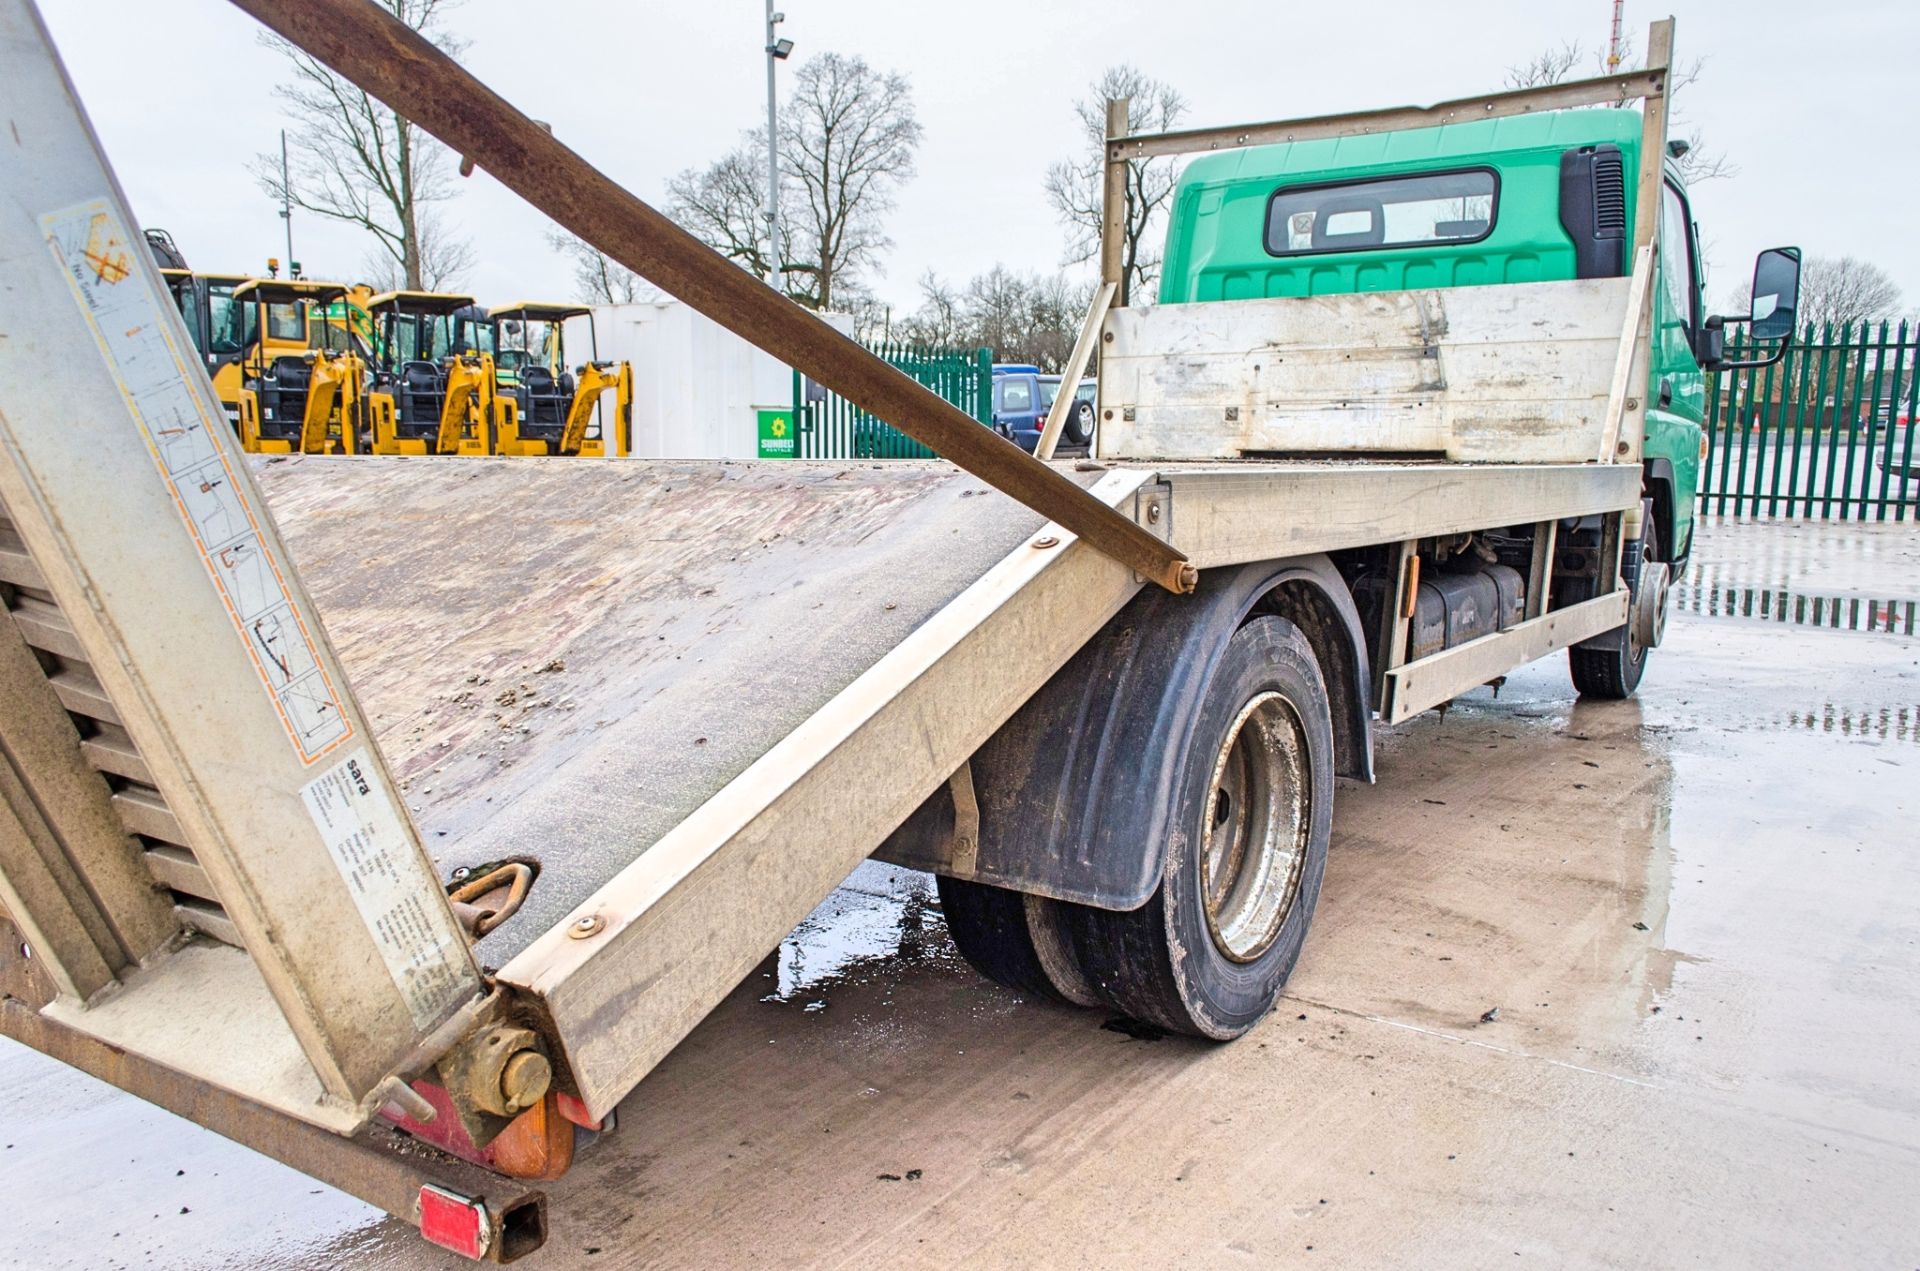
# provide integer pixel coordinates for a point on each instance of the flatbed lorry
(339, 829)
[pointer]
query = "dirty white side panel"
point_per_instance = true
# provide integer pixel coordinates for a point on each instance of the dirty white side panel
(1513, 374)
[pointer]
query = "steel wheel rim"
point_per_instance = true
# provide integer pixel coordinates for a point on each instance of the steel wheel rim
(1654, 595)
(1258, 818)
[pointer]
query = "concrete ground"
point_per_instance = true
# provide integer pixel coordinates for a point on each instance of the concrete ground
(1628, 984)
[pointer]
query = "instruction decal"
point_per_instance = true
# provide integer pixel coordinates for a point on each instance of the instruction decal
(96, 252)
(396, 896)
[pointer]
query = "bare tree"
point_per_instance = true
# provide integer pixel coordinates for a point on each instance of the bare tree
(1021, 317)
(995, 306)
(1550, 66)
(1055, 306)
(938, 320)
(872, 316)
(443, 259)
(1075, 186)
(723, 204)
(353, 160)
(1838, 290)
(1698, 163)
(847, 139)
(597, 278)
(848, 135)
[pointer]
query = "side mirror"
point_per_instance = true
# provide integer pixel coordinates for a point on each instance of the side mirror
(1776, 293)
(1775, 313)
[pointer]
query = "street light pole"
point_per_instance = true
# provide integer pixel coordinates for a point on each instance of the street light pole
(286, 201)
(777, 51)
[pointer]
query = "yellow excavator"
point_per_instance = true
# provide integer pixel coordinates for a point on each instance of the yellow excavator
(226, 333)
(434, 391)
(304, 401)
(554, 411)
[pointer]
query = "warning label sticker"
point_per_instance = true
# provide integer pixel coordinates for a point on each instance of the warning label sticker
(96, 251)
(396, 896)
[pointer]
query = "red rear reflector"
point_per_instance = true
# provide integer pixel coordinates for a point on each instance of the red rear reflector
(452, 1221)
(575, 1111)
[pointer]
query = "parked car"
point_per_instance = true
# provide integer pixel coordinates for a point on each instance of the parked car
(1022, 396)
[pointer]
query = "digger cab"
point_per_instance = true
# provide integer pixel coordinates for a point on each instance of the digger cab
(415, 332)
(344, 326)
(276, 362)
(532, 364)
(224, 331)
(472, 331)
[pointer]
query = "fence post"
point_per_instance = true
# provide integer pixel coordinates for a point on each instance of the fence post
(1873, 427)
(1893, 419)
(1859, 356)
(799, 419)
(1767, 420)
(1913, 410)
(1833, 418)
(1801, 354)
(1742, 402)
(1717, 384)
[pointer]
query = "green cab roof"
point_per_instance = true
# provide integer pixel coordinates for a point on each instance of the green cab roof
(1217, 233)
(1415, 149)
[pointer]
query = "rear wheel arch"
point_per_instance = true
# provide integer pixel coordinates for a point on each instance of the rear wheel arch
(1312, 595)
(1074, 784)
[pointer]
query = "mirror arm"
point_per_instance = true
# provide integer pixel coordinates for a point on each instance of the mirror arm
(1721, 364)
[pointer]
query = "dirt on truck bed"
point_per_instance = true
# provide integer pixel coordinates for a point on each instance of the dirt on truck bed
(563, 660)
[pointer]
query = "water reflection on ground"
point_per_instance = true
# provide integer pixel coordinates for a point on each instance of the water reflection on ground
(1777, 604)
(879, 918)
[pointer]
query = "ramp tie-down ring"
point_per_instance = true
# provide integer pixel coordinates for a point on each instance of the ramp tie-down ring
(478, 920)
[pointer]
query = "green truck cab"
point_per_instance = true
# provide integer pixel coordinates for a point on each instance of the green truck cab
(1531, 198)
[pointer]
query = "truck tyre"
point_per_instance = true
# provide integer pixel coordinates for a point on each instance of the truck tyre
(1014, 939)
(1079, 425)
(1209, 952)
(1611, 668)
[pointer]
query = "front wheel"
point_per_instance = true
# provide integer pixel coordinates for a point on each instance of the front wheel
(1610, 667)
(1209, 952)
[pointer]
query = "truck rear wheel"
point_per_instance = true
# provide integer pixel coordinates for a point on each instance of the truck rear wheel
(1014, 939)
(1209, 952)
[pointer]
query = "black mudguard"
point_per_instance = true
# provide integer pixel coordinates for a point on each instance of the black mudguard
(1075, 790)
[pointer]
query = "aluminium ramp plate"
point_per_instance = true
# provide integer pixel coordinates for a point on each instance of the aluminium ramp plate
(564, 659)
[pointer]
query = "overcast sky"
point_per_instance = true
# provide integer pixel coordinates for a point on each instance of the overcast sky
(1814, 103)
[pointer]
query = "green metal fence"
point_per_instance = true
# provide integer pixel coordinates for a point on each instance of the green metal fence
(831, 427)
(1826, 433)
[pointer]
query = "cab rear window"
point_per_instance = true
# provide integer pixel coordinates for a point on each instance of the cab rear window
(1422, 209)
